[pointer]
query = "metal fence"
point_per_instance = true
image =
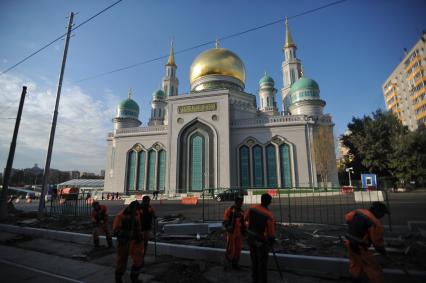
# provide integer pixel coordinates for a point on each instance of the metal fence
(297, 205)
(71, 205)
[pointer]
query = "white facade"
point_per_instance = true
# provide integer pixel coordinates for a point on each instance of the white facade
(216, 136)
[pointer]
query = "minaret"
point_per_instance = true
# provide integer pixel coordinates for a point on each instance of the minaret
(291, 67)
(127, 114)
(158, 108)
(267, 91)
(170, 82)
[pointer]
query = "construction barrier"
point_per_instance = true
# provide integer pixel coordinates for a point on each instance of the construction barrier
(189, 200)
(71, 205)
(294, 205)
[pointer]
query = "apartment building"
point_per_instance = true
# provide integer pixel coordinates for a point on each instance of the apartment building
(405, 89)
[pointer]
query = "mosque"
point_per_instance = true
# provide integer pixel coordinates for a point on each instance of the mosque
(217, 135)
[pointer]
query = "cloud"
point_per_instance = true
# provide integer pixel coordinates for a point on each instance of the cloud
(83, 123)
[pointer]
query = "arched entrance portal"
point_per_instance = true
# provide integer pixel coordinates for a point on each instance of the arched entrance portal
(196, 163)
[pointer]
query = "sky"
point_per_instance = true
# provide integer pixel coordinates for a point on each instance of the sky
(349, 49)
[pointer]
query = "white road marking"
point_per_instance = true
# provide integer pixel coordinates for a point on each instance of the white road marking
(41, 271)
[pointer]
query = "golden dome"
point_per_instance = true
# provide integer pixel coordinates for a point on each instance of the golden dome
(217, 61)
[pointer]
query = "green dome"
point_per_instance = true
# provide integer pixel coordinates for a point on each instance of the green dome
(128, 108)
(304, 83)
(304, 89)
(159, 94)
(266, 79)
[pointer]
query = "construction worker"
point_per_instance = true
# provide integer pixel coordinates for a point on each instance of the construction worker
(235, 228)
(147, 213)
(127, 228)
(100, 223)
(261, 236)
(364, 229)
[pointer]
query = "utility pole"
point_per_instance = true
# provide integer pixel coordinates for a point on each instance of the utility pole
(8, 170)
(46, 172)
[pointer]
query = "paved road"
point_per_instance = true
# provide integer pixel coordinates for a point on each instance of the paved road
(41, 260)
(330, 209)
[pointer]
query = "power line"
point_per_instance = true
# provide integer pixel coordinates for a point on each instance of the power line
(210, 42)
(12, 103)
(58, 38)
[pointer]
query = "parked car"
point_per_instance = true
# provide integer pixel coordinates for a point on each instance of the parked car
(30, 195)
(230, 194)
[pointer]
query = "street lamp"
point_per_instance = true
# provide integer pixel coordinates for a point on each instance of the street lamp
(349, 170)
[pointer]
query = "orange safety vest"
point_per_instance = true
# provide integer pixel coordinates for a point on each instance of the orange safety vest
(122, 226)
(146, 214)
(101, 214)
(234, 220)
(261, 223)
(374, 230)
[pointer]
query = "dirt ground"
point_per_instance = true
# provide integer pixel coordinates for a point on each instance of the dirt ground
(406, 250)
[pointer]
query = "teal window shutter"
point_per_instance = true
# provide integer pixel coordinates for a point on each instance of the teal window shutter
(244, 166)
(285, 165)
(131, 163)
(271, 166)
(197, 162)
(141, 171)
(258, 166)
(151, 170)
(161, 170)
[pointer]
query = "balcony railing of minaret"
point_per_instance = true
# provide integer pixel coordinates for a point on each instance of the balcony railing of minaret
(141, 129)
(271, 120)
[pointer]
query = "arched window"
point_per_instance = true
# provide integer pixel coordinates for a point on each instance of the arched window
(151, 170)
(257, 166)
(285, 165)
(141, 171)
(196, 160)
(131, 164)
(159, 114)
(244, 166)
(161, 171)
(286, 81)
(271, 166)
(112, 158)
(172, 91)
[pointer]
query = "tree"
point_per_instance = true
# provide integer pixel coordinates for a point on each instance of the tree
(370, 142)
(323, 149)
(382, 145)
(408, 161)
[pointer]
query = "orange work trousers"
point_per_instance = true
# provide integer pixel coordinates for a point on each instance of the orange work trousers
(147, 236)
(364, 261)
(132, 248)
(101, 228)
(234, 244)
